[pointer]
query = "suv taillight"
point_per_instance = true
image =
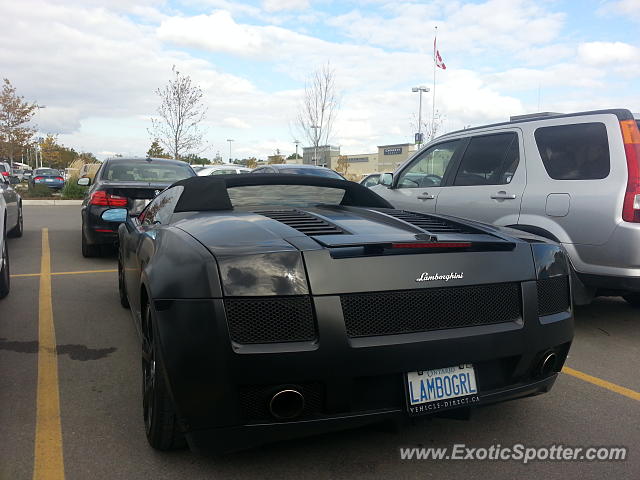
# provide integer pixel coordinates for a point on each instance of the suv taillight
(631, 139)
(5, 174)
(106, 199)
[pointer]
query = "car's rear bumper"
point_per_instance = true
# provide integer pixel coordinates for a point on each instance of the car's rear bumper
(52, 185)
(221, 389)
(234, 438)
(96, 230)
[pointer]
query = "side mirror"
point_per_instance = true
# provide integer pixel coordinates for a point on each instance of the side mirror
(84, 181)
(117, 215)
(386, 179)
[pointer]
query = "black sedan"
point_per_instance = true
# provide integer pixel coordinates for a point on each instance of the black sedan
(278, 306)
(126, 183)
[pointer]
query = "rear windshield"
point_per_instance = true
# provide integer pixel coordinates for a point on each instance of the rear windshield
(289, 195)
(143, 171)
(318, 172)
(47, 171)
(3, 168)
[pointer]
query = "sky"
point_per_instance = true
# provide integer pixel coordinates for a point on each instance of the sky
(95, 65)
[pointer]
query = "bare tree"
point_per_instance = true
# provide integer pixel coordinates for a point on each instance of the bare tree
(318, 108)
(180, 114)
(15, 114)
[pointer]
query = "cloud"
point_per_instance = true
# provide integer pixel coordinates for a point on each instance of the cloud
(279, 5)
(604, 53)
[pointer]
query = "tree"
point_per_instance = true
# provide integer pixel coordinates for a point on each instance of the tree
(342, 166)
(319, 107)
(15, 114)
(56, 155)
(294, 156)
(251, 162)
(156, 151)
(180, 114)
(192, 158)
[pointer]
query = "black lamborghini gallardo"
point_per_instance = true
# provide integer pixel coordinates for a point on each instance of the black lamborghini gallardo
(277, 306)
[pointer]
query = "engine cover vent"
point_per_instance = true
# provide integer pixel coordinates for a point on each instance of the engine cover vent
(303, 222)
(429, 223)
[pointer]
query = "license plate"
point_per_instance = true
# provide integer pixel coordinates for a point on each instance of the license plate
(441, 389)
(49, 180)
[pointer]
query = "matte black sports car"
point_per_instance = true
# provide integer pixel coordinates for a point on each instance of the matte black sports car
(277, 306)
(123, 182)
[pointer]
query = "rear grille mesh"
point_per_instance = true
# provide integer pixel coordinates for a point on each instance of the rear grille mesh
(408, 311)
(270, 320)
(303, 222)
(430, 223)
(553, 295)
(254, 400)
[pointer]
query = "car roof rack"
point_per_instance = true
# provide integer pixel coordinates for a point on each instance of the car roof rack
(516, 118)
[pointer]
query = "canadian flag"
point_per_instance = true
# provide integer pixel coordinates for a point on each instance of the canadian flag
(437, 58)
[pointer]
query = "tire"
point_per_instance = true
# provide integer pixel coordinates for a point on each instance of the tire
(16, 232)
(122, 288)
(632, 299)
(160, 421)
(5, 278)
(89, 251)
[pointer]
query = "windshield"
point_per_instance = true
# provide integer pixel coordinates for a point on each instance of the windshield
(47, 171)
(289, 195)
(318, 172)
(143, 171)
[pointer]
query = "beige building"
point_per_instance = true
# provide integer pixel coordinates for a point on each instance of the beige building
(362, 163)
(391, 156)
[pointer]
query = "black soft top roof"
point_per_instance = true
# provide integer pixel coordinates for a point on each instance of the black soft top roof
(210, 192)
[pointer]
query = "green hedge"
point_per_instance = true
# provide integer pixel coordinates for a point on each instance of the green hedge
(73, 191)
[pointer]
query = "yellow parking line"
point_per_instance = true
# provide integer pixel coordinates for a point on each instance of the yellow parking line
(627, 392)
(48, 461)
(79, 272)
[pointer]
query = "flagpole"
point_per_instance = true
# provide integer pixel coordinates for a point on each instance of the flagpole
(433, 100)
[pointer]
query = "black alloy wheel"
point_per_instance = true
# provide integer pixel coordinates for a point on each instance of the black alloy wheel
(160, 422)
(5, 278)
(122, 288)
(16, 232)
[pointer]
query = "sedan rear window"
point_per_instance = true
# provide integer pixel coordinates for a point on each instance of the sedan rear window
(47, 171)
(143, 171)
(574, 152)
(318, 172)
(289, 195)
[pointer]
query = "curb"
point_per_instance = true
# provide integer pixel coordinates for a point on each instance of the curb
(55, 203)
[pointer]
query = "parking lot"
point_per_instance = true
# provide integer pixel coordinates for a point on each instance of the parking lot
(97, 374)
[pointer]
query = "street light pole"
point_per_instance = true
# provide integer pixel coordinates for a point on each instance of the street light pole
(230, 140)
(420, 90)
(297, 142)
(315, 144)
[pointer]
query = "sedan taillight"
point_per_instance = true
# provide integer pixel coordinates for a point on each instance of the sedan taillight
(106, 199)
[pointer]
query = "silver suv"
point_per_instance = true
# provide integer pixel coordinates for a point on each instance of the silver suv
(572, 178)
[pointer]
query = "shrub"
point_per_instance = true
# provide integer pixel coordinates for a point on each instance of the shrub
(73, 191)
(39, 191)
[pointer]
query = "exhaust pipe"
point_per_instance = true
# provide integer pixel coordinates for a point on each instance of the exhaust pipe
(286, 404)
(548, 364)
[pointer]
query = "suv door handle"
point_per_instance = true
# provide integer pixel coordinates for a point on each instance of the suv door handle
(425, 196)
(502, 195)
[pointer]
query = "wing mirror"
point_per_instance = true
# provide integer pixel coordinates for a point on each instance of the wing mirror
(84, 181)
(117, 215)
(386, 179)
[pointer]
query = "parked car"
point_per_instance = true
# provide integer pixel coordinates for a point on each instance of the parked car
(571, 178)
(123, 182)
(5, 169)
(278, 306)
(49, 177)
(11, 225)
(89, 170)
(371, 179)
(222, 170)
(298, 169)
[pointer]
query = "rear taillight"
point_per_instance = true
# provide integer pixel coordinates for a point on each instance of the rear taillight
(106, 199)
(631, 139)
(5, 174)
(39, 178)
(60, 178)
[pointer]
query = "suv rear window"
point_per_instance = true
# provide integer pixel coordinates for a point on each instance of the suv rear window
(574, 152)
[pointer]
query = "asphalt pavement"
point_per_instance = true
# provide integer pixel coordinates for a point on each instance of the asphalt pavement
(99, 385)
